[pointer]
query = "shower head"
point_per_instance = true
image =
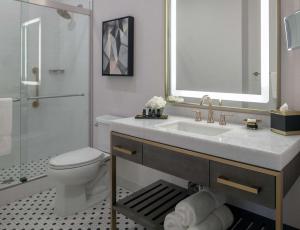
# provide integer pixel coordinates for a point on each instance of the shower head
(65, 14)
(68, 16)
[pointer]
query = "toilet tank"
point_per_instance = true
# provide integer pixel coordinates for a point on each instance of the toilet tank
(102, 132)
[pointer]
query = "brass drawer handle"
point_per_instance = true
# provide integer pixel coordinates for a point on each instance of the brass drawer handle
(224, 181)
(123, 150)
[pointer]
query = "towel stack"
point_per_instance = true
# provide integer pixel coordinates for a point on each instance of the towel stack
(5, 126)
(201, 211)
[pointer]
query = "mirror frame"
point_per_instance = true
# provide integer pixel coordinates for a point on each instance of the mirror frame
(219, 108)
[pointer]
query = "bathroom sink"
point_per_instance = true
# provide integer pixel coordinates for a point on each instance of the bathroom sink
(195, 128)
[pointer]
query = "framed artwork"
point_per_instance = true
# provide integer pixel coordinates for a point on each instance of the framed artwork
(117, 47)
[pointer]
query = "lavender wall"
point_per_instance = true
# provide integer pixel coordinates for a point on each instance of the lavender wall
(290, 63)
(291, 94)
(126, 96)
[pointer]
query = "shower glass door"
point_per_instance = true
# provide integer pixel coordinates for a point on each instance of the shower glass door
(9, 90)
(54, 85)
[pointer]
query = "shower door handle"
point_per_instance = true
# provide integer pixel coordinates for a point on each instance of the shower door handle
(35, 72)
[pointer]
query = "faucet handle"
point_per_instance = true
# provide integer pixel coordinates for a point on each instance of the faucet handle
(198, 115)
(222, 120)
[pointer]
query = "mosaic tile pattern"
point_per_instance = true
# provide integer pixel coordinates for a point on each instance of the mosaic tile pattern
(37, 213)
(30, 170)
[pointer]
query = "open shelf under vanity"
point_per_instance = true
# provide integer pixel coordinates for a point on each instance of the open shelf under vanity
(150, 205)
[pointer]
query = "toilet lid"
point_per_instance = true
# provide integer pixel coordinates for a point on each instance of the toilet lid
(77, 158)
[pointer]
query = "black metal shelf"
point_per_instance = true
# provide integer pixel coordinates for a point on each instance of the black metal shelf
(150, 205)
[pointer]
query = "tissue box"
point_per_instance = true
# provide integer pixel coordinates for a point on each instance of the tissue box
(285, 123)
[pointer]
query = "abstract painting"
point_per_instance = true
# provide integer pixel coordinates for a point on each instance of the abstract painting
(117, 47)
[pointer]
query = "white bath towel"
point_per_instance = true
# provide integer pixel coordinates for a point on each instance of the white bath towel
(6, 116)
(212, 222)
(225, 216)
(6, 111)
(5, 145)
(173, 222)
(220, 198)
(194, 209)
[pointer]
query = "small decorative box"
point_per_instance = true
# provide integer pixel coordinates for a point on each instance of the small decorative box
(285, 123)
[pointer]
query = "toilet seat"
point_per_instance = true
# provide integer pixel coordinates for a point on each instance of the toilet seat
(78, 158)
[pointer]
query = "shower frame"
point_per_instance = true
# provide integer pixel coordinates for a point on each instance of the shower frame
(78, 10)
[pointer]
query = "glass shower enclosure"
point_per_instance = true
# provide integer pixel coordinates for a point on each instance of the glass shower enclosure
(44, 84)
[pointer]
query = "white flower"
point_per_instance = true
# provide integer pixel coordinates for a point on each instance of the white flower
(156, 103)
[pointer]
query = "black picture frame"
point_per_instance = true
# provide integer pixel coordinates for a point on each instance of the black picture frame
(115, 34)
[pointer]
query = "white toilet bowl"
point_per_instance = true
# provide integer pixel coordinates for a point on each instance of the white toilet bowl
(81, 179)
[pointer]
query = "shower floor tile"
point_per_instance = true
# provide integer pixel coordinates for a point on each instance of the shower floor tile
(29, 170)
(37, 213)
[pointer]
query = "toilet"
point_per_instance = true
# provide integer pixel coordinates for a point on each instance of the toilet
(81, 176)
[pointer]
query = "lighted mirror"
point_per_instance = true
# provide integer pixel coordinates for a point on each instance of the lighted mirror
(227, 49)
(31, 52)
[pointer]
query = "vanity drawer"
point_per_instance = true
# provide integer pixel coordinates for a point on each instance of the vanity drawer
(243, 184)
(127, 148)
(177, 164)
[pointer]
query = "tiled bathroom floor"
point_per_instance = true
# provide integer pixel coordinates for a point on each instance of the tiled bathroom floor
(30, 170)
(36, 213)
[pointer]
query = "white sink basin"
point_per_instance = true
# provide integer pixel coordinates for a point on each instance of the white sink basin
(195, 128)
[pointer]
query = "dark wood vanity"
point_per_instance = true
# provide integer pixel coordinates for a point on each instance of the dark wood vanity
(238, 180)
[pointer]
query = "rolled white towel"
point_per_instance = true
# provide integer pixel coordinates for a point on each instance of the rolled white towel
(6, 114)
(210, 223)
(225, 216)
(194, 209)
(5, 145)
(173, 222)
(220, 199)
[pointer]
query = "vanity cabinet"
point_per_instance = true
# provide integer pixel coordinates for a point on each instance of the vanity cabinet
(231, 180)
(238, 180)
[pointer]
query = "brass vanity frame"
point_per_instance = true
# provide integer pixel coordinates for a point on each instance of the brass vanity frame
(284, 179)
(221, 108)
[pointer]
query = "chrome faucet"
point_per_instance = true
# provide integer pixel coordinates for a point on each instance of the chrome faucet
(210, 117)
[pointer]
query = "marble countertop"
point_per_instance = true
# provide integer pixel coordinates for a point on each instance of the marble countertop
(261, 147)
